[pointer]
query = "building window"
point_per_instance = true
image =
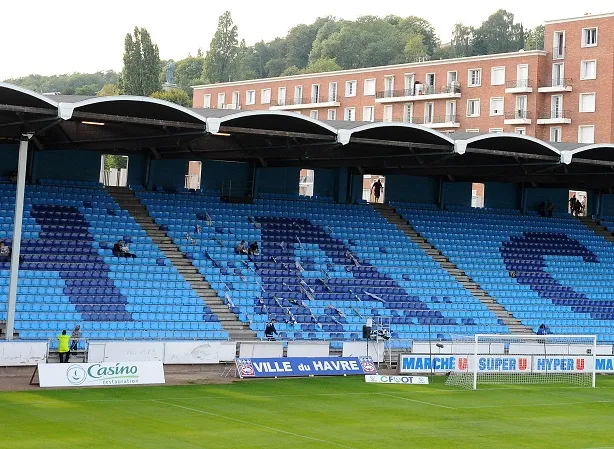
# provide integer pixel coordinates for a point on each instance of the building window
(306, 182)
(497, 76)
(265, 96)
(389, 86)
(332, 114)
(313, 114)
(556, 134)
(473, 108)
(451, 112)
(235, 99)
(587, 102)
(521, 131)
(298, 95)
(350, 114)
(408, 84)
(558, 74)
(315, 93)
(332, 91)
(558, 45)
(408, 113)
(589, 37)
(207, 101)
(586, 134)
(588, 70)
(495, 130)
(221, 99)
(369, 87)
(452, 79)
(472, 130)
(556, 106)
(281, 96)
(388, 113)
(350, 88)
(496, 106)
(368, 114)
(429, 112)
(250, 97)
(475, 77)
(522, 75)
(521, 107)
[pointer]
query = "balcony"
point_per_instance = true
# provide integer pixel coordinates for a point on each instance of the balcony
(419, 92)
(305, 103)
(444, 121)
(554, 117)
(556, 85)
(518, 117)
(518, 87)
(558, 52)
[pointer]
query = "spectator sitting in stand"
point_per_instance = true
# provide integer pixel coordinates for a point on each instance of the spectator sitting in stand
(241, 249)
(13, 176)
(120, 249)
(543, 329)
(5, 252)
(253, 249)
(542, 209)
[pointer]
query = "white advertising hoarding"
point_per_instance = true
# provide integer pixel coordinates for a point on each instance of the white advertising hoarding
(261, 350)
(22, 353)
(100, 374)
(125, 351)
(308, 349)
(198, 352)
(403, 380)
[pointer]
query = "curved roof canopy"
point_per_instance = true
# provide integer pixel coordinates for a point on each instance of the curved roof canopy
(126, 124)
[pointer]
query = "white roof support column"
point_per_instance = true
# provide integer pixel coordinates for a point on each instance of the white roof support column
(17, 227)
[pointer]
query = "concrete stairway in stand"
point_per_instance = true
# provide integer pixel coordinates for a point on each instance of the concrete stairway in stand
(596, 226)
(513, 324)
(127, 200)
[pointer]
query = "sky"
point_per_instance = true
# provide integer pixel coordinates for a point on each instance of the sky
(43, 37)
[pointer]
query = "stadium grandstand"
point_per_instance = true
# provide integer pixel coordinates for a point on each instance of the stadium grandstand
(423, 265)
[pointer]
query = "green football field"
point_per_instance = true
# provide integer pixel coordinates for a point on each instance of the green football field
(310, 413)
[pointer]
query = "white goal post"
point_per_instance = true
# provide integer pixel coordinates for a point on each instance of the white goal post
(523, 359)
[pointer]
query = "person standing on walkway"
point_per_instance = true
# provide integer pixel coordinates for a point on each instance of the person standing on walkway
(75, 337)
(64, 348)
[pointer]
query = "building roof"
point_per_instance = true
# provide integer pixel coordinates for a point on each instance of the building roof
(128, 124)
(411, 65)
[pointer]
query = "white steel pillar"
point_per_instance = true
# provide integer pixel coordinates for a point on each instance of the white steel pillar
(17, 224)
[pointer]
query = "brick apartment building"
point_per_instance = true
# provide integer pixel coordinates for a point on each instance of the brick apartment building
(563, 93)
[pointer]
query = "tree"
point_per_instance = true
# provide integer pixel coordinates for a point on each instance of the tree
(109, 90)
(188, 72)
(140, 75)
(299, 42)
(534, 39)
(322, 65)
(462, 41)
(369, 41)
(221, 57)
(290, 71)
(497, 34)
(115, 161)
(177, 96)
(75, 83)
(415, 49)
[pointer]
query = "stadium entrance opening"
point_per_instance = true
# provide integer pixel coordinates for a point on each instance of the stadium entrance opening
(305, 182)
(114, 170)
(373, 188)
(192, 177)
(477, 195)
(578, 202)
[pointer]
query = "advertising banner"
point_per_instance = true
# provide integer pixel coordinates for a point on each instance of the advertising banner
(100, 374)
(403, 380)
(305, 367)
(22, 353)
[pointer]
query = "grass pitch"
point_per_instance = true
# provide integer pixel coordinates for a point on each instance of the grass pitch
(311, 413)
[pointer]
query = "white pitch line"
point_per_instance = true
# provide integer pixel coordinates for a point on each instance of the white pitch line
(553, 404)
(416, 400)
(195, 398)
(250, 423)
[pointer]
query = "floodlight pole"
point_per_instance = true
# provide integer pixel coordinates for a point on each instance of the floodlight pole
(17, 225)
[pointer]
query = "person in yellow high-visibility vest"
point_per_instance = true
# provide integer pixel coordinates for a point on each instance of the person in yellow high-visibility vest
(64, 348)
